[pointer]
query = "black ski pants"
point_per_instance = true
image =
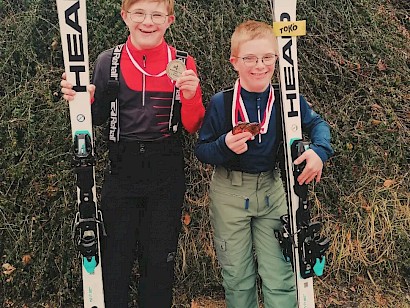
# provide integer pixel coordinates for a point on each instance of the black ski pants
(141, 201)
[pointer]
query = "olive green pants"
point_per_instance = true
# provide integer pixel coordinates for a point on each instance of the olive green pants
(245, 210)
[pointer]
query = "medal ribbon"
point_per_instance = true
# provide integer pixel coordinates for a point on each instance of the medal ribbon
(238, 108)
(141, 69)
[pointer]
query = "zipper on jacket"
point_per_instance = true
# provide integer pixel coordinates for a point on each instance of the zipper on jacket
(258, 105)
(144, 63)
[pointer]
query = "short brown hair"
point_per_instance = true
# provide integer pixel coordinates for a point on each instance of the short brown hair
(250, 30)
(169, 3)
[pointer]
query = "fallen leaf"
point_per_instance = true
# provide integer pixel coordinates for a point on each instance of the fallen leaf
(376, 122)
(333, 300)
(26, 259)
(187, 219)
(381, 65)
(54, 45)
(389, 183)
(8, 268)
(194, 304)
(349, 146)
(380, 300)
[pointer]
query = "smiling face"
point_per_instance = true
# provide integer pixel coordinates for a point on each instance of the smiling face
(147, 34)
(255, 78)
(254, 39)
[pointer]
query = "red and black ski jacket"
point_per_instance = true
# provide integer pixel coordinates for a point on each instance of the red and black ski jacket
(144, 101)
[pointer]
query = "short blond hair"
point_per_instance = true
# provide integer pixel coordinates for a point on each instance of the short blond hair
(169, 3)
(250, 30)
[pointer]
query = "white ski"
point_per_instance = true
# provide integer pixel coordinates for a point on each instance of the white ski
(73, 29)
(286, 28)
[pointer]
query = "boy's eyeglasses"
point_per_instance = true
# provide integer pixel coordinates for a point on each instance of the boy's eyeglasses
(139, 16)
(253, 60)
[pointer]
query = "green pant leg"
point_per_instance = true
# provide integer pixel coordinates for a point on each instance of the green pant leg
(233, 240)
(278, 282)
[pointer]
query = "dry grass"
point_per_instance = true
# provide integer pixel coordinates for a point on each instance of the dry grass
(354, 69)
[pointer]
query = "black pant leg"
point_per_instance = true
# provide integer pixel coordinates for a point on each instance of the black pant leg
(158, 243)
(121, 213)
(147, 203)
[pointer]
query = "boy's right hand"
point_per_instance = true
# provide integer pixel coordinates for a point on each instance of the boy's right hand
(237, 143)
(68, 92)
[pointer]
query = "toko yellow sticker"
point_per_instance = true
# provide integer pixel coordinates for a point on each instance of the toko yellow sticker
(289, 28)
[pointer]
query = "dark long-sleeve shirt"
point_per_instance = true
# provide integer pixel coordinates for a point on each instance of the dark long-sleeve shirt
(260, 156)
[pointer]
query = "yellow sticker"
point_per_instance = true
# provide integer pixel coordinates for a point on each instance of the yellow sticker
(289, 28)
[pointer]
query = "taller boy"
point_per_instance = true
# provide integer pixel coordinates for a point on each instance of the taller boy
(246, 192)
(144, 185)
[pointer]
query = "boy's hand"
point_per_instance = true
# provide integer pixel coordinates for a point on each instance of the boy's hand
(237, 143)
(188, 83)
(313, 168)
(67, 89)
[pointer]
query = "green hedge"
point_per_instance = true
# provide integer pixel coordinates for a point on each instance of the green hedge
(354, 69)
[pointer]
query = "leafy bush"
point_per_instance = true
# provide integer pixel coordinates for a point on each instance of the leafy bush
(354, 69)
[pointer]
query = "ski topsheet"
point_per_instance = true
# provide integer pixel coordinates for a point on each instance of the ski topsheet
(299, 238)
(73, 29)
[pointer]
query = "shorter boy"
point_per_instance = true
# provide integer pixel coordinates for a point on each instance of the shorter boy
(246, 192)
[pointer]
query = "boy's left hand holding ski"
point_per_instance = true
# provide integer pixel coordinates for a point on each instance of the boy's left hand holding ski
(313, 168)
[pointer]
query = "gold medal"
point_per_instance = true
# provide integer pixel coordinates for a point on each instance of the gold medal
(175, 69)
